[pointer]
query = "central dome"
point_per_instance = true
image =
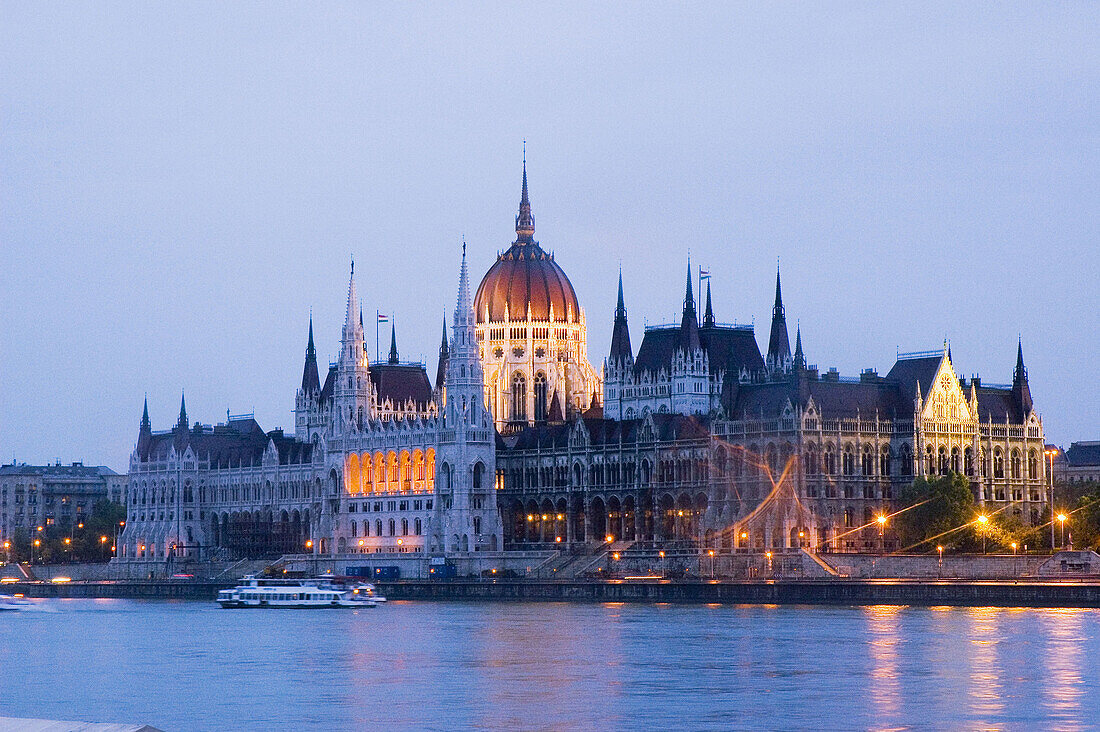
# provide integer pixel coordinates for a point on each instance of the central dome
(525, 276)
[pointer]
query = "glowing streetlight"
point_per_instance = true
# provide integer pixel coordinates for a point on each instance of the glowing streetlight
(1062, 520)
(1050, 453)
(710, 553)
(982, 520)
(609, 538)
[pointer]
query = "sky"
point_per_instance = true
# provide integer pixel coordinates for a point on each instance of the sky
(182, 184)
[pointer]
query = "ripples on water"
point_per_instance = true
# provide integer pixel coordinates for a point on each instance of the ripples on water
(193, 666)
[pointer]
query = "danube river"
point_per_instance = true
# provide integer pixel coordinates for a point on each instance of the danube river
(447, 666)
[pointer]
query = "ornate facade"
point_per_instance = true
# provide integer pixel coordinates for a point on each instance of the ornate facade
(380, 462)
(709, 443)
(533, 336)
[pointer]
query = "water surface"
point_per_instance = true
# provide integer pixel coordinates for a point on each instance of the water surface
(193, 666)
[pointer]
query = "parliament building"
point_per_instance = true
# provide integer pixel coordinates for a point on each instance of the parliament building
(699, 440)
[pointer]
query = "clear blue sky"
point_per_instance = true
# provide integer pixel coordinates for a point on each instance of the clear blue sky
(180, 183)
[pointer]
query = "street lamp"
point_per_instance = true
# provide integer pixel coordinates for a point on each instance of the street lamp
(939, 572)
(1013, 558)
(881, 531)
(1062, 521)
(1050, 453)
(710, 552)
(983, 520)
(661, 554)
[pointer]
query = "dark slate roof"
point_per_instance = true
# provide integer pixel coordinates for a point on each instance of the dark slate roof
(998, 405)
(728, 348)
(834, 399)
(238, 442)
(57, 471)
(608, 431)
(908, 372)
(330, 385)
(401, 382)
(1083, 453)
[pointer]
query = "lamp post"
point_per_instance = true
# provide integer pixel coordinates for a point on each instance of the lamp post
(1013, 558)
(939, 570)
(881, 532)
(983, 520)
(1062, 521)
(1050, 453)
(710, 552)
(661, 554)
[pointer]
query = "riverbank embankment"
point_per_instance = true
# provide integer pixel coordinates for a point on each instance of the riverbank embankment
(1035, 593)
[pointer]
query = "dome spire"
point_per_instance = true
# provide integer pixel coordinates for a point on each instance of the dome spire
(525, 222)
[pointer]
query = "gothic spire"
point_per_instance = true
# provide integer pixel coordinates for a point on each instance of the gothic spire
(620, 334)
(525, 222)
(182, 421)
(708, 316)
(689, 323)
(799, 356)
(1020, 388)
(353, 303)
(465, 383)
(441, 369)
(393, 343)
(779, 345)
(146, 426)
(311, 382)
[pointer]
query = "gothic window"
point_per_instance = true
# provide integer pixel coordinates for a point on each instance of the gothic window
(998, 463)
(944, 466)
(1015, 464)
(868, 462)
(498, 352)
(849, 462)
(906, 460)
(378, 527)
(517, 352)
(519, 397)
(811, 460)
(540, 397)
(884, 462)
(1032, 465)
(417, 527)
(830, 460)
(404, 527)
(849, 518)
(392, 527)
(968, 461)
(479, 473)
(929, 461)
(954, 460)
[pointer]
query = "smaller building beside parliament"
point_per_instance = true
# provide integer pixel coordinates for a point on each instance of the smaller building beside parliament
(698, 440)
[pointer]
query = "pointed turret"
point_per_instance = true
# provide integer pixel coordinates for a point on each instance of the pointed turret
(525, 222)
(311, 381)
(799, 356)
(351, 386)
(146, 426)
(465, 383)
(779, 345)
(689, 323)
(393, 343)
(708, 316)
(556, 413)
(1020, 388)
(441, 369)
(620, 334)
(181, 423)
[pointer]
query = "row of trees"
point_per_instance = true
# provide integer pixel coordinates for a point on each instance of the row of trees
(942, 512)
(91, 540)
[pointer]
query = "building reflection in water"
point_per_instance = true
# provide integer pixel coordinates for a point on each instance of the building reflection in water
(884, 684)
(1062, 637)
(986, 687)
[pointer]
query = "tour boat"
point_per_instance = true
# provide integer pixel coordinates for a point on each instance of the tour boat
(316, 592)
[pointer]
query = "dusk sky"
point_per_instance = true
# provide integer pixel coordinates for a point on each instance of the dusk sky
(180, 184)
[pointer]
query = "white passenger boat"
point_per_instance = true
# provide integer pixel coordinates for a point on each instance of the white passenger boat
(316, 592)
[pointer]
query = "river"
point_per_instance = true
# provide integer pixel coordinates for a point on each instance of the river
(554, 666)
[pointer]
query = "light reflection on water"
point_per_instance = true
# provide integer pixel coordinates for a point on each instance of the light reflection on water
(192, 666)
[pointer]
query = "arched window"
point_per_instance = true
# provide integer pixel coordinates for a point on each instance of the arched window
(479, 474)
(868, 463)
(998, 463)
(404, 527)
(884, 461)
(392, 527)
(929, 461)
(540, 397)
(955, 460)
(354, 529)
(417, 527)
(968, 461)
(849, 462)
(519, 397)
(944, 465)
(1015, 464)
(849, 518)
(1032, 465)
(811, 460)
(378, 527)
(830, 460)
(906, 460)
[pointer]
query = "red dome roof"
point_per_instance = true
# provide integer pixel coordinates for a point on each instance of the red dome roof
(523, 275)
